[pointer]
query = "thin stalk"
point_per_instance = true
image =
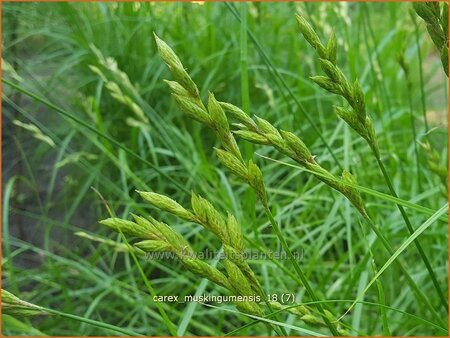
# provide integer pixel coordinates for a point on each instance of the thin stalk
(422, 90)
(245, 95)
(92, 322)
(411, 231)
(299, 271)
(424, 299)
(414, 132)
(421, 297)
(283, 83)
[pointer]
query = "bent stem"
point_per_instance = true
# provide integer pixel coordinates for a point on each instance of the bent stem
(299, 271)
(411, 231)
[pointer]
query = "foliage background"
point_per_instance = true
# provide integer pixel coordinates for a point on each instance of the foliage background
(49, 48)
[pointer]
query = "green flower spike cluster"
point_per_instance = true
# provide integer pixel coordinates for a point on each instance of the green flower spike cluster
(186, 94)
(336, 83)
(263, 132)
(435, 16)
(12, 305)
(156, 236)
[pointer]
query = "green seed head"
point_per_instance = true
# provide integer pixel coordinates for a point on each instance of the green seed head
(176, 88)
(332, 48)
(359, 102)
(256, 181)
(218, 117)
(190, 107)
(311, 36)
(251, 136)
(327, 84)
(167, 204)
(154, 246)
(176, 67)
(350, 117)
(205, 270)
(237, 278)
(297, 146)
(266, 127)
(234, 233)
(128, 227)
(239, 115)
(209, 217)
(436, 34)
(234, 164)
(352, 193)
(12, 305)
(424, 11)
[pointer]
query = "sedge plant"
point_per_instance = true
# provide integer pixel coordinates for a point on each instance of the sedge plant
(435, 15)
(238, 277)
(357, 118)
(186, 94)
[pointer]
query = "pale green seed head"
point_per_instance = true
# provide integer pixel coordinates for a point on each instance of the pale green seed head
(176, 67)
(350, 117)
(251, 136)
(190, 107)
(280, 144)
(176, 88)
(218, 117)
(352, 193)
(209, 217)
(127, 227)
(297, 145)
(237, 279)
(330, 69)
(371, 136)
(266, 127)
(205, 270)
(327, 84)
(234, 164)
(234, 233)
(312, 319)
(13, 305)
(310, 36)
(332, 48)
(359, 102)
(150, 229)
(256, 181)
(167, 204)
(250, 307)
(154, 246)
(436, 34)
(239, 115)
(170, 235)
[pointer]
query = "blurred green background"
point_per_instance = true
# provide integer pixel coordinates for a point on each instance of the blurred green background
(98, 61)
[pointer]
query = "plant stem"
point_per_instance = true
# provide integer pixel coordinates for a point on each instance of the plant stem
(411, 231)
(299, 271)
(245, 95)
(92, 322)
(422, 91)
(281, 83)
(411, 282)
(413, 127)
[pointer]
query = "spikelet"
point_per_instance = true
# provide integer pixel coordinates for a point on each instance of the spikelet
(13, 305)
(167, 204)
